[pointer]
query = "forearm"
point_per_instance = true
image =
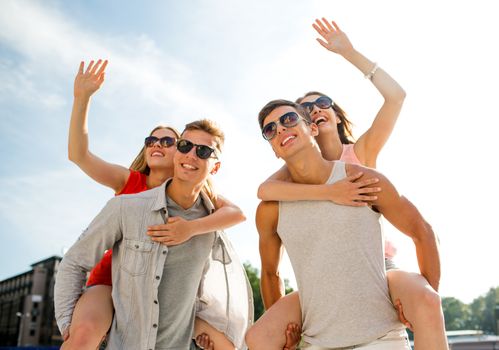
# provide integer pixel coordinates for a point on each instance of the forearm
(221, 219)
(272, 289)
(428, 255)
(391, 91)
(274, 190)
(78, 129)
(69, 282)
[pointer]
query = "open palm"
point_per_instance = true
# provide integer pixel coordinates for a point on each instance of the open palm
(86, 83)
(334, 39)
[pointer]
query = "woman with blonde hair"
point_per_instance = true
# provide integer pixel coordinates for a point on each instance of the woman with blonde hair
(153, 165)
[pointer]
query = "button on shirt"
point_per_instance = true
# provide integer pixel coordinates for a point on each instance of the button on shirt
(138, 265)
(180, 282)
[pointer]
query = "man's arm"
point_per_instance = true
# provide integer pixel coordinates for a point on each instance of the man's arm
(102, 233)
(402, 214)
(271, 250)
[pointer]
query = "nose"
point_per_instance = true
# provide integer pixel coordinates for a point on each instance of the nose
(315, 110)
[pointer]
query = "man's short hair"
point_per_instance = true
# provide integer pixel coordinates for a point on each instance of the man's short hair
(211, 128)
(269, 107)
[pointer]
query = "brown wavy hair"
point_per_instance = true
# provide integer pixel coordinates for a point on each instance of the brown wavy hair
(345, 125)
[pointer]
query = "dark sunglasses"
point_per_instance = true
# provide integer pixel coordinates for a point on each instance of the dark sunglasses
(287, 120)
(322, 102)
(166, 141)
(202, 151)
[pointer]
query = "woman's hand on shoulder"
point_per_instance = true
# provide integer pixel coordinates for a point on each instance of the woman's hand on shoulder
(353, 191)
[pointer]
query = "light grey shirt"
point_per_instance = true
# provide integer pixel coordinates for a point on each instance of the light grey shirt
(137, 271)
(337, 254)
(181, 276)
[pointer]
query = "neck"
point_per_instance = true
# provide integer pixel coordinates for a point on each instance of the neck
(330, 145)
(309, 167)
(183, 193)
(158, 176)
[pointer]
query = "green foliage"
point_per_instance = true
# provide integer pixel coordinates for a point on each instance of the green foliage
(480, 314)
(254, 279)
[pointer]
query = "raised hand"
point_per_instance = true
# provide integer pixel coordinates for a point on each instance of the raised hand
(89, 81)
(334, 39)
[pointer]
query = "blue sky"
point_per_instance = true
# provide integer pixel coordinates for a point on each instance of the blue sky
(173, 62)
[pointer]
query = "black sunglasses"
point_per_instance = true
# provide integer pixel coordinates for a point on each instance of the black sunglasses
(202, 151)
(166, 141)
(322, 102)
(287, 120)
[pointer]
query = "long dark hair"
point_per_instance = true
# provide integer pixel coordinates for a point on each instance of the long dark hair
(345, 125)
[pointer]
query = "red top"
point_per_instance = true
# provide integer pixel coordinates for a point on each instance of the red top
(101, 273)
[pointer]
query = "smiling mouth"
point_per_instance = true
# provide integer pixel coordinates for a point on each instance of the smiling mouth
(320, 120)
(157, 154)
(188, 166)
(287, 140)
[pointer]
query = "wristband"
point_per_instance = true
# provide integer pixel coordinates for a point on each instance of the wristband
(372, 72)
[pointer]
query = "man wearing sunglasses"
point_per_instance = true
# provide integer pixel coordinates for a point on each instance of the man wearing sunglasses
(155, 286)
(336, 251)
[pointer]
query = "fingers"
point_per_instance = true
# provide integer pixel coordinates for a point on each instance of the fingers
(95, 67)
(354, 177)
(336, 26)
(161, 227)
(322, 26)
(90, 65)
(204, 342)
(319, 30)
(80, 69)
(101, 69)
(328, 25)
(322, 42)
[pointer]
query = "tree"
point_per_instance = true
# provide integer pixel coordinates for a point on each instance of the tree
(457, 314)
(254, 279)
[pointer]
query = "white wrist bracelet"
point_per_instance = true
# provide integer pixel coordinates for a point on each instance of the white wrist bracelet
(372, 72)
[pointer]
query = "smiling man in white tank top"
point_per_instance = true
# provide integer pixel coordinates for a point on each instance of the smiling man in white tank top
(336, 251)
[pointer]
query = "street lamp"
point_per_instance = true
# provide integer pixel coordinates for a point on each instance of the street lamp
(21, 328)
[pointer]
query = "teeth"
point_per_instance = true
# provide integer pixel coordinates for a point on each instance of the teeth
(188, 166)
(287, 139)
(320, 120)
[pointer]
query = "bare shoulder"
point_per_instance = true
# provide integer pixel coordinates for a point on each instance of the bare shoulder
(352, 169)
(267, 215)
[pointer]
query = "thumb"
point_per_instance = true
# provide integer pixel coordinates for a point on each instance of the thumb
(172, 219)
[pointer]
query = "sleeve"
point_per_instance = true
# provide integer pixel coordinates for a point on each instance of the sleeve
(101, 234)
(133, 183)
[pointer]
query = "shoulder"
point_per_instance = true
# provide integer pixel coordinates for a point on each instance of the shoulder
(136, 182)
(267, 214)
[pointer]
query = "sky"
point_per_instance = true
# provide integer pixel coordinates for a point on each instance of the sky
(177, 61)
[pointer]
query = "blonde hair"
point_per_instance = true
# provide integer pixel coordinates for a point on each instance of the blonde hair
(139, 164)
(212, 128)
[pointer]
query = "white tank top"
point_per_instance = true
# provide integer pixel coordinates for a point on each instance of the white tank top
(338, 259)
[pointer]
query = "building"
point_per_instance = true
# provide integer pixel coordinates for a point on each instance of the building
(27, 306)
(472, 340)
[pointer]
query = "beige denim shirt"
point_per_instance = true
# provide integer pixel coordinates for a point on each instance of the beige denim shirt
(224, 298)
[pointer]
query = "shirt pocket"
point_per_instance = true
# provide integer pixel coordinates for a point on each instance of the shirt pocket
(136, 256)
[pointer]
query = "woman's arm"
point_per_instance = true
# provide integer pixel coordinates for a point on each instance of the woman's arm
(107, 174)
(348, 191)
(178, 230)
(372, 141)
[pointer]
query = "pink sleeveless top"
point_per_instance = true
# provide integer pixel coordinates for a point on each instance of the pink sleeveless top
(348, 156)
